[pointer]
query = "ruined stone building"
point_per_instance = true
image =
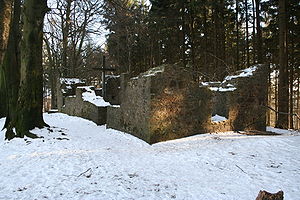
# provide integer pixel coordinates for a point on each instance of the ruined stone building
(165, 103)
(74, 98)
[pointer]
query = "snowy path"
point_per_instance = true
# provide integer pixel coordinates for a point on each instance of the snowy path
(79, 160)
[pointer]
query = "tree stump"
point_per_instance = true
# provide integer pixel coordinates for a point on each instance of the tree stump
(264, 195)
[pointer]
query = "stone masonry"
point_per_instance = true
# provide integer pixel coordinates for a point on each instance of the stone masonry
(72, 103)
(112, 89)
(165, 103)
(161, 104)
(242, 98)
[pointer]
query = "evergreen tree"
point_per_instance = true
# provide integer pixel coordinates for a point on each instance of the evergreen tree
(128, 42)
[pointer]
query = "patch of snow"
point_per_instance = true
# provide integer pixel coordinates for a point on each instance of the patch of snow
(77, 159)
(274, 74)
(112, 76)
(53, 110)
(134, 78)
(90, 96)
(221, 89)
(230, 85)
(69, 81)
(283, 131)
(154, 71)
(244, 73)
(150, 72)
(116, 106)
(209, 83)
(216, 86)
(218, 118)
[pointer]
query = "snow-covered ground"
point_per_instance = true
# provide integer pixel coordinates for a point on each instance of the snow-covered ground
(78, 160)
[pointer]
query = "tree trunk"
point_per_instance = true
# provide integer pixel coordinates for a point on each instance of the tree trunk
(205, 31)
(215, 41)
(53, 80)
(219, 42)
(11, 70)
(269, 97)
(253, 34)
(128, 50)
(291, 98)
(283, 89)
(258, 33)
(298, 102)
(183, 47)
(276, 95)
(222, 39)
(65, 33)
(53, 75)
(192, 38)
(237, 35)
(247, 34)
(30, 100)
(6, 11)
(291, 78)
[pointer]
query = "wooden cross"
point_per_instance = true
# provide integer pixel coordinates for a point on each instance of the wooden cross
(103, 69)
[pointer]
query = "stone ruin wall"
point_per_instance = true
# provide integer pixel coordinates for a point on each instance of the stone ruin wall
(113, 90)
(245, 106)
(161, 107)
(179, 108)
(133, 114)
(169, 105)
(70, 102)
(247, 109)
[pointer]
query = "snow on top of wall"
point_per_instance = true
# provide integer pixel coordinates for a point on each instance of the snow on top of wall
(209, 83)
(243, 73)
(154, 71)
(218, 118)
(150, 72)
(112, 76)
(222, 89)
(90, 96)
(134, 78)
(216, 86)
(70, 81)
(116, 106)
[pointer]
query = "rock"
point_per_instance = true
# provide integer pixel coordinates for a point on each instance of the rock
(264, 195)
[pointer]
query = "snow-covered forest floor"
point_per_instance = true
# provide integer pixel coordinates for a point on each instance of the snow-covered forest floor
(78, 160)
